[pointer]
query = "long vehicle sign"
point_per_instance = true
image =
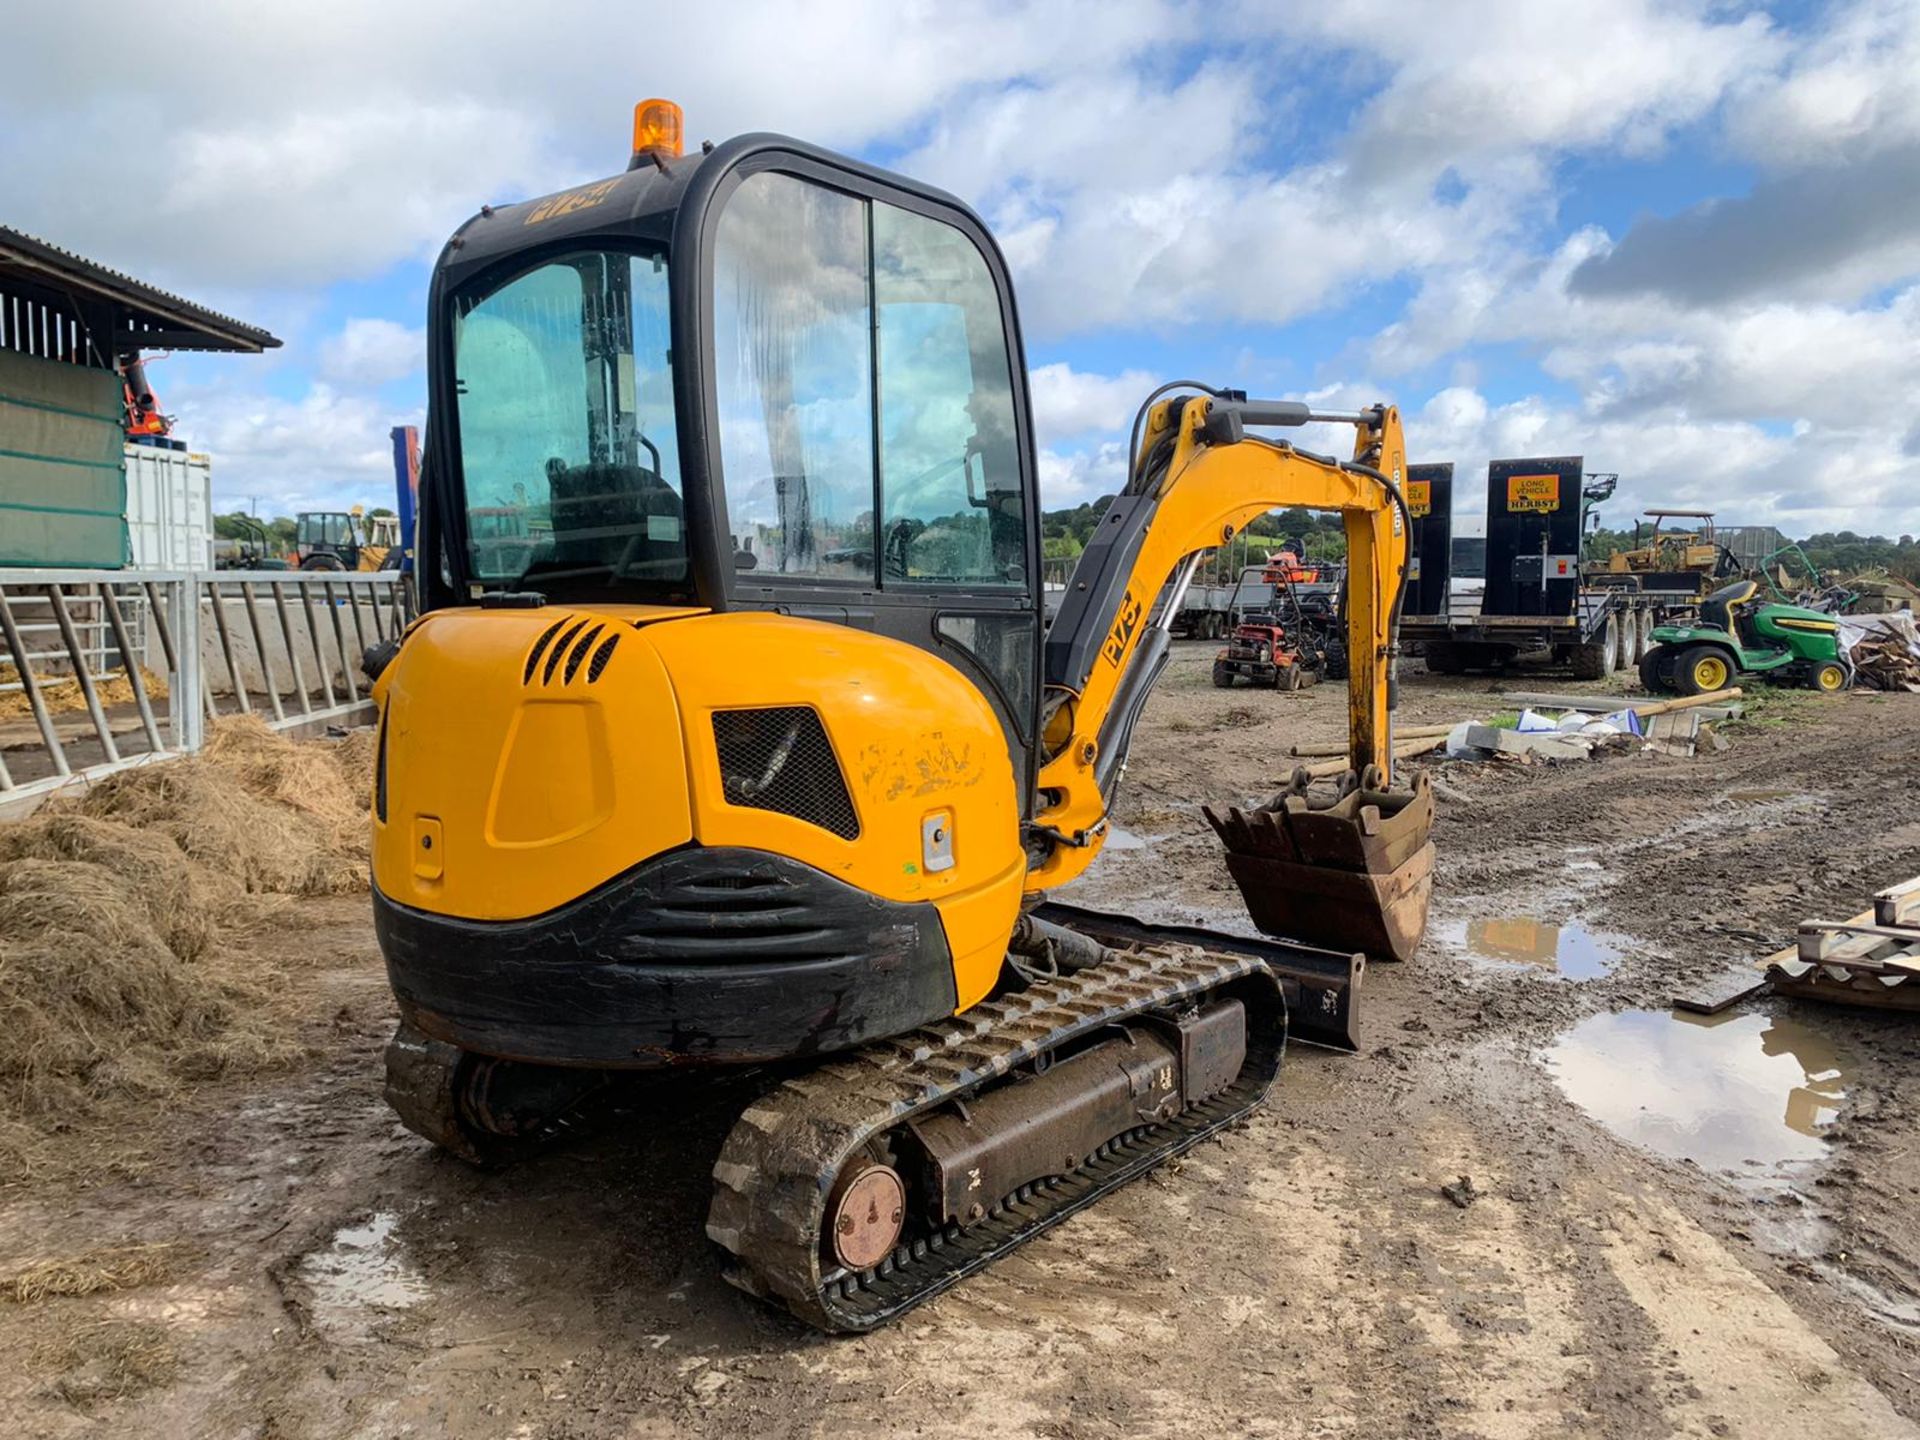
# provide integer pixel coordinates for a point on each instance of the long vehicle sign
(1533, 494)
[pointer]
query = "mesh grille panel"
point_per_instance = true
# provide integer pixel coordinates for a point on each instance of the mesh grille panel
(781, 760)
(580, 648)
(600, 657)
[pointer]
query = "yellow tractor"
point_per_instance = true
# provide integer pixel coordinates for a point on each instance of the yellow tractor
(650, 797)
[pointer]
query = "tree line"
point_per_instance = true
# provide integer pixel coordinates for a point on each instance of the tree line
(238, 525)
(1064, 535)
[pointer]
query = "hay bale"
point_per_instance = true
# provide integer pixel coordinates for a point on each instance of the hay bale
(87, 988)
(101, 1360)
(354, 753)
(118, 975)
(65, 697)
(304, 777)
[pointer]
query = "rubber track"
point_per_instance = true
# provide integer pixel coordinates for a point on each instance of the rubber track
(779, 1163)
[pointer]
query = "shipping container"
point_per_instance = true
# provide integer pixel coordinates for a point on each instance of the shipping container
(169, 509)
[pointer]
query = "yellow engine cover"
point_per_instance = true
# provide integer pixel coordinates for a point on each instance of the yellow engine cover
(534, 755)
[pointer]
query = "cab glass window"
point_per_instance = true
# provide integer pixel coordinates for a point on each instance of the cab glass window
(951, 503)
(568, 457)
(793, 381)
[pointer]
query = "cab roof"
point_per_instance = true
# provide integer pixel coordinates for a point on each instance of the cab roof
(645, 202)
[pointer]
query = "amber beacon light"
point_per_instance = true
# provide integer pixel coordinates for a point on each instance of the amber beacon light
(656, 129)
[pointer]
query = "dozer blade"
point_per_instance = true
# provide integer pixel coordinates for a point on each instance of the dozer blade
(1354, 872)
(1322, 987)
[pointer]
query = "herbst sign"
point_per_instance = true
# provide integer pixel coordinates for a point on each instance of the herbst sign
(1533, 494)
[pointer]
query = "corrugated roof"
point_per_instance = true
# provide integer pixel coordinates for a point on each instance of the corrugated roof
(175, 323)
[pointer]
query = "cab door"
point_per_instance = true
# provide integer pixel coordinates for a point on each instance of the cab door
(875, 461)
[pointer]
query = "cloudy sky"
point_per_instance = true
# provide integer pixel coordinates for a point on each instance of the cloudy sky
(1681, 239)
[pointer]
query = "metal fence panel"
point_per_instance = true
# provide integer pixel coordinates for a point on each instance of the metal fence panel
(101, 669)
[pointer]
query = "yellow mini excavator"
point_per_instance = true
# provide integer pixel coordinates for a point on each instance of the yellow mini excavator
(758, 748)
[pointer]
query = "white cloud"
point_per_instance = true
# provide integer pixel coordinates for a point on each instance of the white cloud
(373, 352)
(324, 450)
(307, 150)
(1073, 477)
(1487, 79)
(1068, 403)
(1851, 90)
(1809, 478)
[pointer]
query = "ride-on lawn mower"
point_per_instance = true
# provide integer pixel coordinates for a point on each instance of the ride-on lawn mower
(1288, 641)
(1260, 652)
(1734, 637)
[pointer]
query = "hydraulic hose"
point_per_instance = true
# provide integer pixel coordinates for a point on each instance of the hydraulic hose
(1136, 477)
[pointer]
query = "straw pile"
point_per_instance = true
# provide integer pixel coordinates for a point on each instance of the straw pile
(104, 1268)
(64, 696)
(120, 975)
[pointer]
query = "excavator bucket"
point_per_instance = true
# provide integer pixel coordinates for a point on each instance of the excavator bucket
(1351, 871)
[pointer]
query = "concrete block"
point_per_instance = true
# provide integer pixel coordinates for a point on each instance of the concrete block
(1544, 745)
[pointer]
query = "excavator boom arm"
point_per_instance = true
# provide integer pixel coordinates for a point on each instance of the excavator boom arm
(1198, 480)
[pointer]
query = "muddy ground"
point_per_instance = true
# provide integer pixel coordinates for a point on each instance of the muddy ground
(1730, 1248)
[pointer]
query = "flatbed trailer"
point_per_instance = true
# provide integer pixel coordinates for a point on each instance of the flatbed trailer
(1607, 630)
(1537, 600)
(1210, 612)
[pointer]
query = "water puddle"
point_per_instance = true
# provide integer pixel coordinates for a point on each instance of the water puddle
(360, 1274)
(1731, 1092)
(1119, 839)
(1568, 950)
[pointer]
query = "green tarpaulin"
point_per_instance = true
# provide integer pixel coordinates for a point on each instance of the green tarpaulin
(63, 483)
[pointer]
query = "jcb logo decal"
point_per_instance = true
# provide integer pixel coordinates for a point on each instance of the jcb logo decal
(1123, 628)
(1533, 494)
(568, 201)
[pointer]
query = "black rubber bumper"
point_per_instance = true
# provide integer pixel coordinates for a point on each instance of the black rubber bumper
(720, 956)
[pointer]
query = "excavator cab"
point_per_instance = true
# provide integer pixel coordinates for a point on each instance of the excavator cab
(732, 731)
(770, 381)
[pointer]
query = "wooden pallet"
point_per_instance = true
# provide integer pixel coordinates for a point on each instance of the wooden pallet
(1872, 959)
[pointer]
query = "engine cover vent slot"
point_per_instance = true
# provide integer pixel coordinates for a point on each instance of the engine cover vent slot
(781, 760)
(558, 651)
(539, 648)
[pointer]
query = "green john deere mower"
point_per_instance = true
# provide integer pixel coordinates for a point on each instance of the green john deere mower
(1734, 637)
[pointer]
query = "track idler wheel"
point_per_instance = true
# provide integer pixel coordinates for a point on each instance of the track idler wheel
(866, 1216)
(1350, 871)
